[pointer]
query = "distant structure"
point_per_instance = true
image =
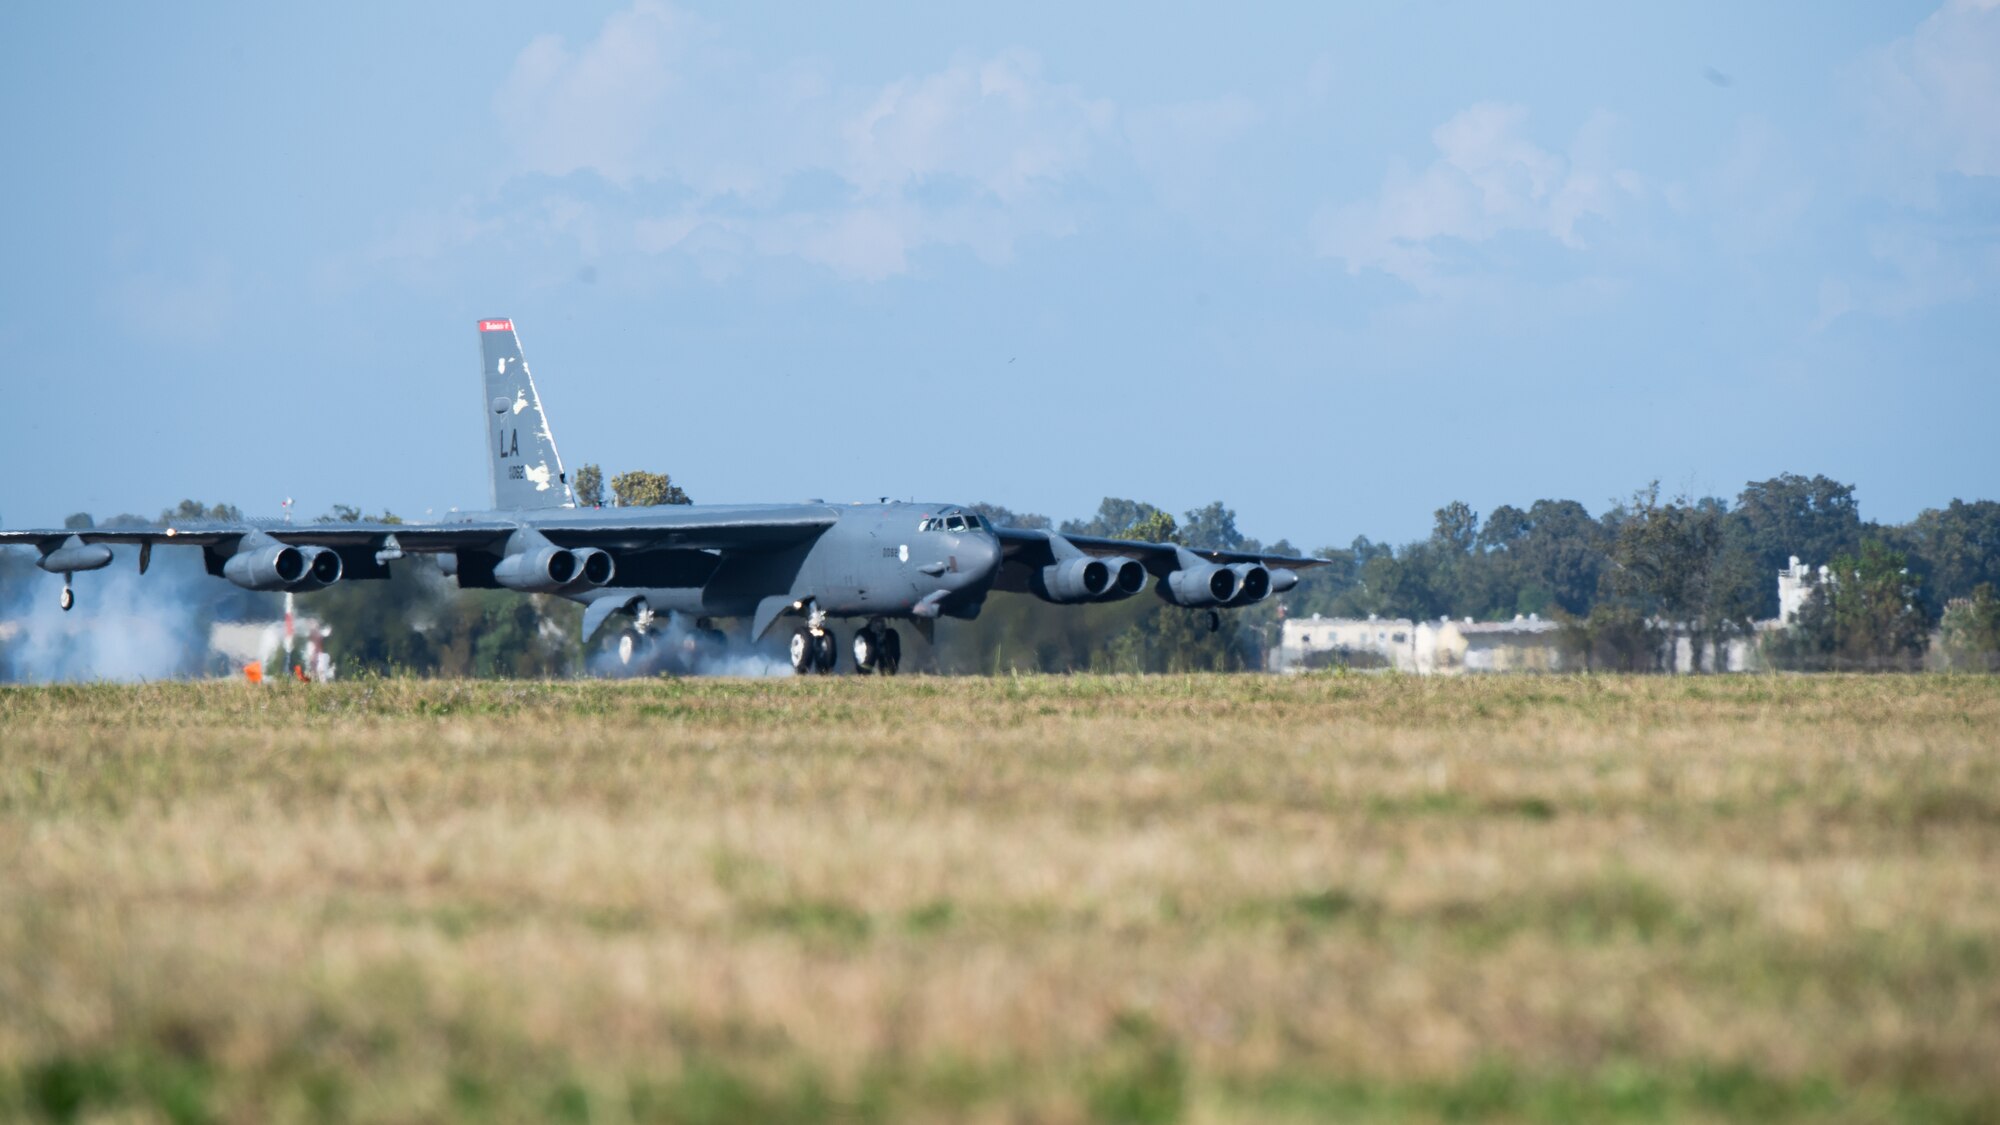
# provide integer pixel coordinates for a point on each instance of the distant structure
(1448, 647)
(1525, 644)
(1444, 647)
(1795, 584)
(1351, 642)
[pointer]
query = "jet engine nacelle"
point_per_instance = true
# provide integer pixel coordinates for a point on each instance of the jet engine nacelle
(537, 570)
(280, 566)
(1282, 580)
(594, 567)
(323, 568)
(1199, 586)
(1073, 580)
(1128, 577)
(1253, 583)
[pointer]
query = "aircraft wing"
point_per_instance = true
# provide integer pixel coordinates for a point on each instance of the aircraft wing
(207, 533)
(632, 529)
(1027, 548)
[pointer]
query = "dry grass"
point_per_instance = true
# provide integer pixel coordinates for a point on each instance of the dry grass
(1206, 899)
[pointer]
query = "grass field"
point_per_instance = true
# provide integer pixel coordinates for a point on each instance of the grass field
(1049, 899)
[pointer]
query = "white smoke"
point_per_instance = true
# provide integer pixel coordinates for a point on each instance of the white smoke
(678, 648)
(124, 627)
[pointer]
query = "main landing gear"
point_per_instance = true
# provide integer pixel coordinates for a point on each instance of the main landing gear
(815, 648)
(813, 651)
(877, 648)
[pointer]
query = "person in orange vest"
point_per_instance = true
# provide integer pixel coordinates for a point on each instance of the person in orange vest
(253, 672)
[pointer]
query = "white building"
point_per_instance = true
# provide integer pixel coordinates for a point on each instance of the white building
(1526, 644)
(1346, 642)
(1795, 585)
(1426, 648)
(1447, 647)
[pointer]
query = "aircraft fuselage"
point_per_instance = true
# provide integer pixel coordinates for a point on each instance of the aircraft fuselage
(874, 560)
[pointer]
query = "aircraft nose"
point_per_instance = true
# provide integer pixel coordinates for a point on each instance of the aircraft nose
(978, 559)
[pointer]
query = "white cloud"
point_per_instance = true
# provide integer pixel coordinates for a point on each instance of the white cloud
(994, 122)
(1757, 197)
(1488, 179)
(1934, 95)
(1931, 107)
(978, 154)
(1182, 148)
(597, 107)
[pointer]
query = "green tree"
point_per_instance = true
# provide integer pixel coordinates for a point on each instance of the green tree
(1955, 549)
(1813, 517)
(189, 510)
(79, 521)
(1970, 632)
(1548, 559)
(1213, 526)
(1404, 584)
(1155, 526)
(589, 486)
(1114, 517)
(1672, 559)
(1865, 616)
(641, 489)
(1455, 528)
(997, 516)
(1460, 581)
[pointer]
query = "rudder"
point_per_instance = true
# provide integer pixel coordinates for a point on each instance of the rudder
(527, 470)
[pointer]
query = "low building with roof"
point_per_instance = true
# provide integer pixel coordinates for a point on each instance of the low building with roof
(1427, 648)
(1346, 642)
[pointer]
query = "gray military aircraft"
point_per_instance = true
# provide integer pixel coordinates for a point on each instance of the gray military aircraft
(811, 562)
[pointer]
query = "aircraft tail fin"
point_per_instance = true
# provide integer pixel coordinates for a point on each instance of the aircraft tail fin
(527, 471)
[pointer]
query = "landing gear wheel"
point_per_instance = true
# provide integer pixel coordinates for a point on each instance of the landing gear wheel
(68, 598)
(1214, 621)
(803, 651)
(866, 651)
(626, 646)
(890, 657)
(826, 652)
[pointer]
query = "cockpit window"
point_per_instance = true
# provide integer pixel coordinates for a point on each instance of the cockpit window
(971, 522)
(954, 523)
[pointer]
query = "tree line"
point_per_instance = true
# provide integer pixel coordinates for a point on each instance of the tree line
(1620, 581)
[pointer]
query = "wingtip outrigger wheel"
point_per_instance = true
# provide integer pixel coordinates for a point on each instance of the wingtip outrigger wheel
(68, 597)
(1214, 621)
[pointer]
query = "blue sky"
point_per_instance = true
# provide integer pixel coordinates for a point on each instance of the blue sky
(1335, 265)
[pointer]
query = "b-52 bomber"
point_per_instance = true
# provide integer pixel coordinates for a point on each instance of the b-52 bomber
(805, 564)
